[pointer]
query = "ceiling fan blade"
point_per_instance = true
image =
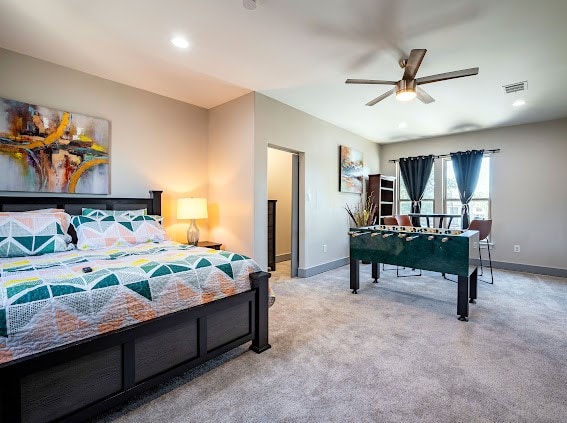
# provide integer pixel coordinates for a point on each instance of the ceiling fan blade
(423, 96)
(413, 63)
(382, 97)
(370, 81)
(447, 75)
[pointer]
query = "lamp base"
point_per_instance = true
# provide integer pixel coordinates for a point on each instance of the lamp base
(193, 234)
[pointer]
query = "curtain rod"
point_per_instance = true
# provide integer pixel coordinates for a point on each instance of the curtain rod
(494, 150)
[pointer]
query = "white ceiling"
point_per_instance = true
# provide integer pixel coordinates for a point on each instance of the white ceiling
(301, 51)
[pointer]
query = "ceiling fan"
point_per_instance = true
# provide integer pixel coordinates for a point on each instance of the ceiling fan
(408, 87)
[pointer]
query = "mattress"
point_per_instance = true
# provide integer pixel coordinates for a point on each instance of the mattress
(51, 300)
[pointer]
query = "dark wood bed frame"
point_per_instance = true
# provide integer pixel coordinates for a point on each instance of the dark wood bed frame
(77, 381)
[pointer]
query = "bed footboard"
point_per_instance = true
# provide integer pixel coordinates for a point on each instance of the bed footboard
(78, 381)
(259, 283)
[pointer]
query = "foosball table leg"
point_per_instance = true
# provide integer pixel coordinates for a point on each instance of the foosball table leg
(463, 298)
(375, 271)
(473, 278)
(354, 275)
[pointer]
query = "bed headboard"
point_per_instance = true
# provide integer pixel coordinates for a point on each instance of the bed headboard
(73, 205)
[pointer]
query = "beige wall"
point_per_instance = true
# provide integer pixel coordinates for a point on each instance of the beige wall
(156, 142)
(529, 195)
(322, 219)
(279, 188)
(231, 175)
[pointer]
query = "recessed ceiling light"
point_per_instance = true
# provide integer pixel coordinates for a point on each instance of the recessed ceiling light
(402, 125)
(180, 42)
(518, 103)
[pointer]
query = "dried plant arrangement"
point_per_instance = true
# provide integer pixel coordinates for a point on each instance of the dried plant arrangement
(363, 214)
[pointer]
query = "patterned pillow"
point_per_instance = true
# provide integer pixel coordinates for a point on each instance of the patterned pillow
(28, 234)
(98, 213)
(157, 217)
(114, 231)
(63, 217)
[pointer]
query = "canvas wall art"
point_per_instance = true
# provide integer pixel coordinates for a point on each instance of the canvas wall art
(351, 170)
(48, 150)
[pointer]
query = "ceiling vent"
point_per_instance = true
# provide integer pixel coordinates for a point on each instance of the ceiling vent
(512, 88)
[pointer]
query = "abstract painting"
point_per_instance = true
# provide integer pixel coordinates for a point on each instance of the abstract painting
(48, 150)
(351, 170)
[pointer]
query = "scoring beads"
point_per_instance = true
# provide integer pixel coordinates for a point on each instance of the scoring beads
(388, 231)
(428, 230)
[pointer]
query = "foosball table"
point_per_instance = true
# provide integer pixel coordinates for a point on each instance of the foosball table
(437, 249)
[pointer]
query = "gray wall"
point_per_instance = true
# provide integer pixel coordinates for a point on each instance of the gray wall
(323, 219)
(529, 186)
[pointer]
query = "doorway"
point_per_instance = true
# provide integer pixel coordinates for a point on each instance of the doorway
(283, 194)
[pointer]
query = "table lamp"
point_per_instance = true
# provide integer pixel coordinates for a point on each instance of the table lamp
(192, 208)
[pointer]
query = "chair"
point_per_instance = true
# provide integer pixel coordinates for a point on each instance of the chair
(390, 220)
(403, 220)
(483, 227)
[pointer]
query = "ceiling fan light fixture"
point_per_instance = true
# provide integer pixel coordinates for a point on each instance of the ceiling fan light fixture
(405, 95)
(405, 90)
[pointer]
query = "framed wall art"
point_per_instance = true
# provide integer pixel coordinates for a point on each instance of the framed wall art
(49, 150)
(351, 168)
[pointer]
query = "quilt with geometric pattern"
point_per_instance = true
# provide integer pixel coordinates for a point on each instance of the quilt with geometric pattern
(51, 300)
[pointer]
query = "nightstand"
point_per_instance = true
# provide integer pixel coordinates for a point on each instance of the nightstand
(209, 244)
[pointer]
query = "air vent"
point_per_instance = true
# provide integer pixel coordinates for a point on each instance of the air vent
(512, 88)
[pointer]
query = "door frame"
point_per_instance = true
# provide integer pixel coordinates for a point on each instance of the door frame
(297, 163)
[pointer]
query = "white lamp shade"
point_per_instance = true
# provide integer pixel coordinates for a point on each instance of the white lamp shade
(192, 208)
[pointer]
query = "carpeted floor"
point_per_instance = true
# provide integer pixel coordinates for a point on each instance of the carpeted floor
(393, 353)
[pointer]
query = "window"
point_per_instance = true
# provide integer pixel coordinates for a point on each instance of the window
(427, 202)
(479, 206)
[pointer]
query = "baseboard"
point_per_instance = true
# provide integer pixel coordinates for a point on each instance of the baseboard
(524, 268)
(516, 267)
(311, 271)
(283, 257)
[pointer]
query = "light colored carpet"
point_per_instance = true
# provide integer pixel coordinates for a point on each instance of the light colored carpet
(393, 353)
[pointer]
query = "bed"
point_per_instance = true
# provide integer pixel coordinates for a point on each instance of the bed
(53, 379)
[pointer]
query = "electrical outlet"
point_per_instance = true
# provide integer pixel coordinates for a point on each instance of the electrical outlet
(324, 248)
(516, 248)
